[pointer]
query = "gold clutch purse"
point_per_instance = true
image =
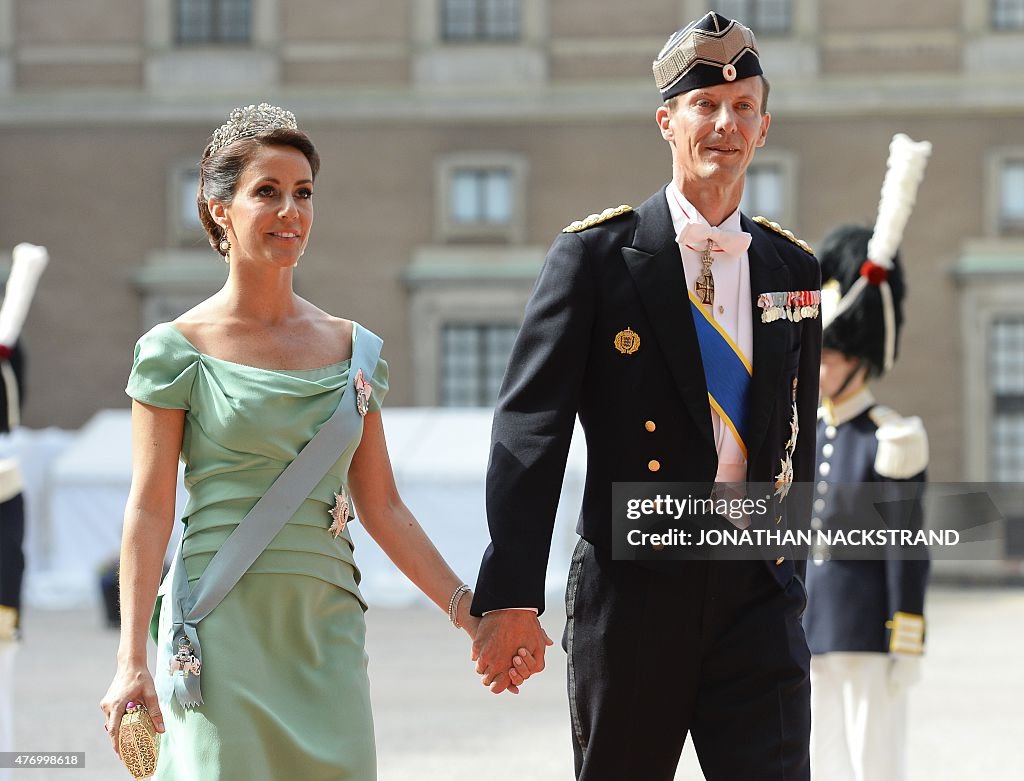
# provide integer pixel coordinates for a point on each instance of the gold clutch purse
(138, 741)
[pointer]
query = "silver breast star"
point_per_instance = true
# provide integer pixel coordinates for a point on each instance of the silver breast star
(340, 513)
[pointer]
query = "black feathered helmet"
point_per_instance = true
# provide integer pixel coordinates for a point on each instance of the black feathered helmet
(860, 330)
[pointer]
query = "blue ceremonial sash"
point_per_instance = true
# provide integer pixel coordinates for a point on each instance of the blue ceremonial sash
(726, 371)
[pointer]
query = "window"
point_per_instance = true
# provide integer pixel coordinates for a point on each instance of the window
(480, 196)
(187, 187)
(764, 192)
(480, 20)
(1006, 374)
(1008, 14)
(172, 281)
(473, 360)
(1011, 196)
(199, 22)
(183, 225)
(768, 17)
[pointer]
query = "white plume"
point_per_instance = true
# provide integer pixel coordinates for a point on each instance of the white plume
(28, 262)
(904, 171)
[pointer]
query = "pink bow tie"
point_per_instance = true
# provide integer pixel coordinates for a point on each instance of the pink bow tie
(696, 234)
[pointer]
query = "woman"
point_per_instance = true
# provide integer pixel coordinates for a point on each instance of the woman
(237, 386)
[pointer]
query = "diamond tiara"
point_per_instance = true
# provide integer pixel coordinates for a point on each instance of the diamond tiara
(251, 121)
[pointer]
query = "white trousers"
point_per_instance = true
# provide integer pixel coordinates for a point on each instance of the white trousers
(7, 653)
(858, 724)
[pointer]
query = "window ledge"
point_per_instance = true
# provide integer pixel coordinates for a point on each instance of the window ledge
(467, 263)
(998, 51)
(179, 270)
(986, 258)
(221, 69)
(478, 65)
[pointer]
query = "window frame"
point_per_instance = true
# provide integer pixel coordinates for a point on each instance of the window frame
(448, 230)
(997, 28)
(477, 324)
(996, 163)
(751, 17)
(216, 38)
(173, 281)
(462, 284)
(438, 62)
(788, 163)
(993, 351)
(180, 232)
(1006, 224)
(480, 36)
(990, 290)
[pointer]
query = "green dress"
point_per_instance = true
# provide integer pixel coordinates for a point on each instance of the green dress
(284, 680)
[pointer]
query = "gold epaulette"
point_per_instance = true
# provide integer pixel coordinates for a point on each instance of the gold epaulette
(596, 219)
(764, 222)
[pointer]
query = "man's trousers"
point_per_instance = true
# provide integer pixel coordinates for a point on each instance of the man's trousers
(714, 649)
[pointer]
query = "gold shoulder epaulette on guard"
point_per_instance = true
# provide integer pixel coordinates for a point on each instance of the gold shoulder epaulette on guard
(774, 226)
(596, 219)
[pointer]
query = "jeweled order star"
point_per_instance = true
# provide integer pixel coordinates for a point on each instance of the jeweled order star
(340, 514)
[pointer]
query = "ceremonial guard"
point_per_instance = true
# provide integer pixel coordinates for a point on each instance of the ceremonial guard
(686, 337)
(28, 262)
(865, 613)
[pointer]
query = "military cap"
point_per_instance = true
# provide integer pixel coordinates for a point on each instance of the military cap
(712, 50)
(860, 331)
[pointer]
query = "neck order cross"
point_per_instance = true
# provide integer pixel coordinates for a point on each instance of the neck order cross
(704, 287)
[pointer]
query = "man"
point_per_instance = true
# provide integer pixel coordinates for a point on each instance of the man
(864, 618)
(27, 263)
(627, 328)
(12, 535)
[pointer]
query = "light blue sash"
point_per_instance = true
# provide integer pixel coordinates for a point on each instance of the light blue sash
(269, 515)
(726, 370)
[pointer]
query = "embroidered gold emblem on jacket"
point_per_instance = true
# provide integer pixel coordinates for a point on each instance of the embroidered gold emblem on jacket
(627, 342)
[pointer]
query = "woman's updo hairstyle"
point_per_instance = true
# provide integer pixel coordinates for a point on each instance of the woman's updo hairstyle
(233, 146)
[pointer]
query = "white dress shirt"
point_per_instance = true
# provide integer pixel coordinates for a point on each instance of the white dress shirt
(732, 312)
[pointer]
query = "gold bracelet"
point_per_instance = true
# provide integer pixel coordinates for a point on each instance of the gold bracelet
(453, 605)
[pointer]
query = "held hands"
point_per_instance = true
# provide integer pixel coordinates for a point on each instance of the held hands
(523, 664)
(504, 635)
(131, 683)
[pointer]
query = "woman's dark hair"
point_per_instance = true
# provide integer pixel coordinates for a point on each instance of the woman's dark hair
(219, 172)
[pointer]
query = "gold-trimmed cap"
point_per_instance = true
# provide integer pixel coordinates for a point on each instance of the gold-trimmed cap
(712, 50)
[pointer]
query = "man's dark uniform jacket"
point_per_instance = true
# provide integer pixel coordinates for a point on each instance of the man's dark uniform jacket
(626, 272)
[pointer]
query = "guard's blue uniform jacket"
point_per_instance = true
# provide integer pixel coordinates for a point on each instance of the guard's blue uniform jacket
(862, 604)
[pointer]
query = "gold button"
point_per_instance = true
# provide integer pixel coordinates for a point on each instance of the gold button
(653, 465)
(779, 560)
(649, 425)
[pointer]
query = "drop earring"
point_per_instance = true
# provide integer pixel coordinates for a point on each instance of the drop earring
(224, 246)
